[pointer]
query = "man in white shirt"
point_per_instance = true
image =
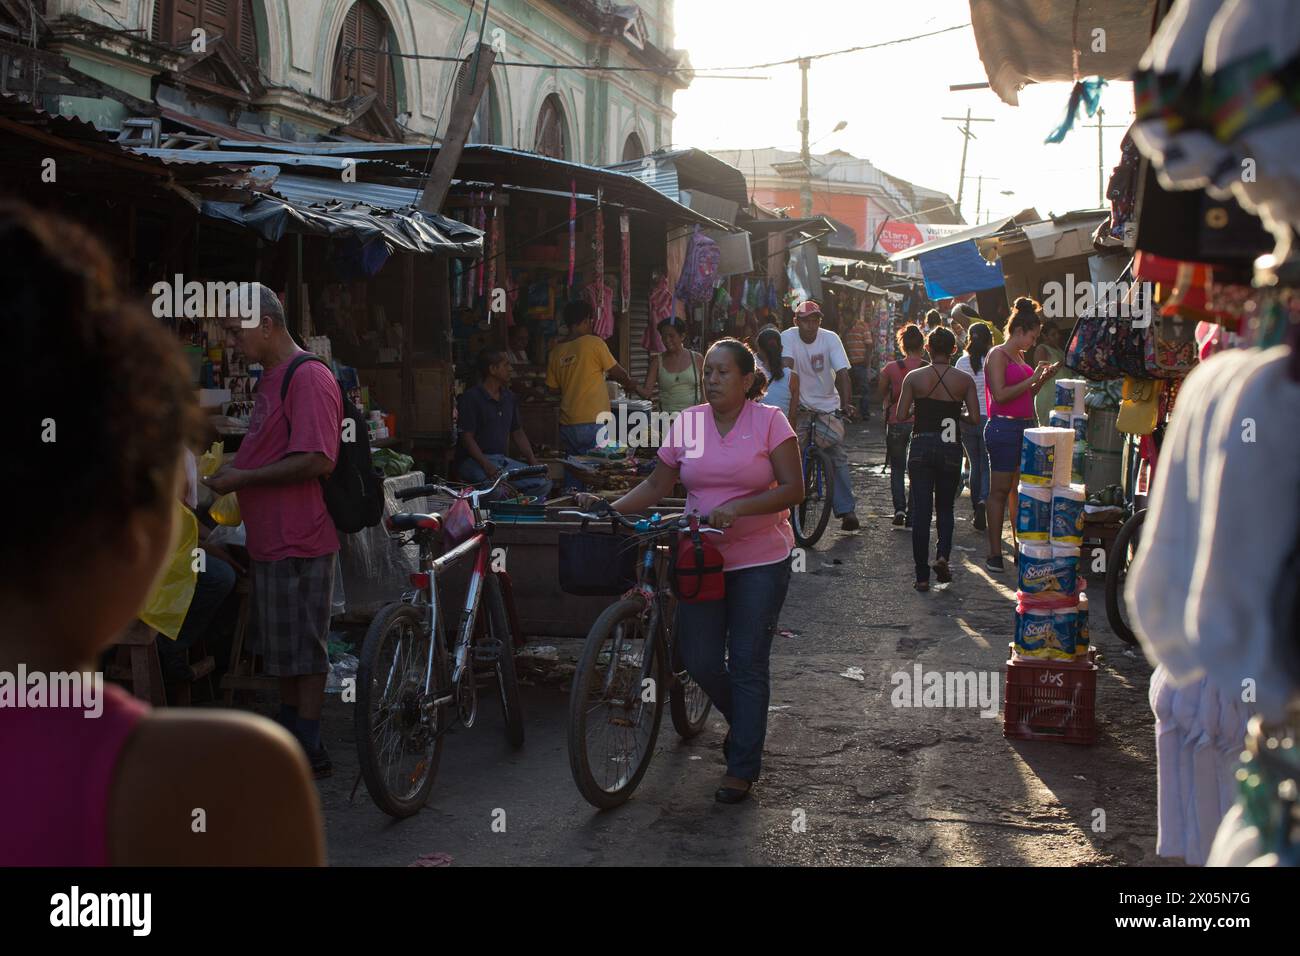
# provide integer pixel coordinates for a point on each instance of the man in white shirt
(823, 367)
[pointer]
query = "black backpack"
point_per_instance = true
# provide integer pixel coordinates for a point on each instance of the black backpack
(353, 494)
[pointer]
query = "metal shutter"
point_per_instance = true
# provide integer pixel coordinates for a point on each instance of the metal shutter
(638, 319)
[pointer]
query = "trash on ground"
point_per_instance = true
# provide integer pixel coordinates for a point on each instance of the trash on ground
(854, 673)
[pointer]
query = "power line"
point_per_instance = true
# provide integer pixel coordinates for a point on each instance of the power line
(666, 70)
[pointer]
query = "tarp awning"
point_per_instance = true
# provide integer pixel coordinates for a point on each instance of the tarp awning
(966, 235)
(364, 211)
(1033, 41)
(958, 269)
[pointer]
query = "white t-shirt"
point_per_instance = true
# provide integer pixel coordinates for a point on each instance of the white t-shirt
(816, 365)
(964, 365)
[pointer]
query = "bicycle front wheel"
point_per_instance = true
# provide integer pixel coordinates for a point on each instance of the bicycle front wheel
(616, 705)
(399, 739)
(811, 516)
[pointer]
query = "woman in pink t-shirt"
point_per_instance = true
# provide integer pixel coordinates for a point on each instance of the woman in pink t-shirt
(92, 776)
(739, 463)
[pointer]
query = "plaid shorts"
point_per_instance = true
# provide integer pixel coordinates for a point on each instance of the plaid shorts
(291, 605)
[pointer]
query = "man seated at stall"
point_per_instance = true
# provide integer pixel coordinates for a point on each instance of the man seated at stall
(488, 417)
(518, 353)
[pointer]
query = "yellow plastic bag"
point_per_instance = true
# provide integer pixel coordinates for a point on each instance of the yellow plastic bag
(166, 608)
(1140, 409)
(225, 509)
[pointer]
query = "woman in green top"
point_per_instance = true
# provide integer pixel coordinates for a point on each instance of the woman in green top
(1049, 351)
(676, 371)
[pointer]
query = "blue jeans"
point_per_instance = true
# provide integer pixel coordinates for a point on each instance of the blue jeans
(860, 376)
(934, 466)
(896, 439)
(725, 646)
(472, 473)
(575, 439)
(842, 500)
(972, 436)
(212, 587)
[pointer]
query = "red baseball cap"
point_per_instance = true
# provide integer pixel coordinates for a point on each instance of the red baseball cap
(806, 308)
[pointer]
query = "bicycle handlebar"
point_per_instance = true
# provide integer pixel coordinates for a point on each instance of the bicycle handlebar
(423, 491)
(641, 525)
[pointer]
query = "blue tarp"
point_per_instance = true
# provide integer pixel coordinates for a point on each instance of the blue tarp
(958, 269)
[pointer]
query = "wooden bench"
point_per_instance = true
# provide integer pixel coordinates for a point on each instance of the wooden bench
(134, 661)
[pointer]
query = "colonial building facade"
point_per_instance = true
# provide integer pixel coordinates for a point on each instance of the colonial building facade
(382, 70)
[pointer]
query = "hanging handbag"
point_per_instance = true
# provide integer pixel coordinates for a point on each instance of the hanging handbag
(697, 571)
(1140, 408)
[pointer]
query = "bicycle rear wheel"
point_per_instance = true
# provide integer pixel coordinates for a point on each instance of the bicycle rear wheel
(810, 517)
(1118, 560)
(498, 628)
(399, 740)
(614, 715)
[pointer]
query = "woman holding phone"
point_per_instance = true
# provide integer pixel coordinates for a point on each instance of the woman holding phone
(1011, 384)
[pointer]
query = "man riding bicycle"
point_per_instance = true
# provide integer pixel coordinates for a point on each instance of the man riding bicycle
(823, 368)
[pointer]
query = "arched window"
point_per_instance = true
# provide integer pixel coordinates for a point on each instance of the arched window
(633, 148)
(361, 63)
(485, 125)
(552, 129)
(174, 22)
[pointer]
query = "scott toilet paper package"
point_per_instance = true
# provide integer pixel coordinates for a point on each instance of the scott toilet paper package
(1043, 567)
(1041, 453)
(1081, 635)
(1044, 634)
(1059, 418)
(1067, 515)
(1034, 513)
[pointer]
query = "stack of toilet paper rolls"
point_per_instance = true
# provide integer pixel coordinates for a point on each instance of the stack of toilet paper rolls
(1069, 412)
(1051, 608)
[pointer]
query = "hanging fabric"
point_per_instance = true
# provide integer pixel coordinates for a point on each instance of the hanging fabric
(600, 236)
(625, 262)
(601, 298)
(573, 228)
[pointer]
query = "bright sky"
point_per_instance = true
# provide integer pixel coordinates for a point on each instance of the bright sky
(892, 99)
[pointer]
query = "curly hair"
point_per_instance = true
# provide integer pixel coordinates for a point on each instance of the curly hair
(106, 397)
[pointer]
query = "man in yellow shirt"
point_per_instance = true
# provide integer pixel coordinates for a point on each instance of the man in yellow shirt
(577, 368)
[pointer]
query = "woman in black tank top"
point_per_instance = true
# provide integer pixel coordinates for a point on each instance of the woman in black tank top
(943, 398)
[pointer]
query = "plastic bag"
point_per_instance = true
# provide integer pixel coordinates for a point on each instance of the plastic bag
(166, 608)
(225, 508)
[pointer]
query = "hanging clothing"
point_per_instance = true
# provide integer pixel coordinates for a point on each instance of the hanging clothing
(1222, 500)
(601, 299)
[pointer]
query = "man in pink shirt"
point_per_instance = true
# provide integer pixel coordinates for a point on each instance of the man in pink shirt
(291, 444)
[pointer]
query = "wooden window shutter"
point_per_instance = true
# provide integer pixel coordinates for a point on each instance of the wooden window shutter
(247, 33)
(371, 71)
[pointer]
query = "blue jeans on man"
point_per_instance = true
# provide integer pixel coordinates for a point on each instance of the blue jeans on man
(472, 473)
(212, 587)
(726, 645)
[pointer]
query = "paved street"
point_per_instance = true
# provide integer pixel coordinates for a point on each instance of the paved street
(873, 784)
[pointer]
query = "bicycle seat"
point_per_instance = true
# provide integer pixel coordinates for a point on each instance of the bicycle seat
(410, 522)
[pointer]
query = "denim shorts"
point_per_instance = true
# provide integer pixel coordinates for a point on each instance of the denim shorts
(1002, 438)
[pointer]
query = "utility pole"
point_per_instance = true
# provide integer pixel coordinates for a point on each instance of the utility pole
(1101, 155)
(967, 136)
(979, 196)
(805, 154)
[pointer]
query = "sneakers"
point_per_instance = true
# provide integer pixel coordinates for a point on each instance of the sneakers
(900, 518)
(981, 524)
(994, 563)
(942, 572)
(850, 522)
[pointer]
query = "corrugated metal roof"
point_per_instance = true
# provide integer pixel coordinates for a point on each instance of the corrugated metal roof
(312, 190)
(672, 170)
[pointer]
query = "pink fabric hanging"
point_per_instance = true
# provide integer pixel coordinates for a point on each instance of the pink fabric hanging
(600, 241)
(625, 262)
(661, 307)
(573, 224)
(601, 298)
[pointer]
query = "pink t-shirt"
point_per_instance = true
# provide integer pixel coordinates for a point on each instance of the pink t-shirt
(291, 521)
(715, 470)
(894, 376)
(61, 764)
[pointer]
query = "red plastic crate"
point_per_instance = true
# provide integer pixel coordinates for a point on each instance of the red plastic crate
(1050, 700)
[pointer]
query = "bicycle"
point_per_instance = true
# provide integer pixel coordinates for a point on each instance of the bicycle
(630, 655)
(408, 680)
(1122, 551)
(811, 516)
